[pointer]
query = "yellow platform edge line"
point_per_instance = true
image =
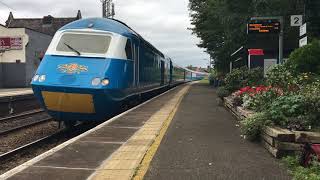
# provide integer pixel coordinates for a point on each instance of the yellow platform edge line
(144, 165)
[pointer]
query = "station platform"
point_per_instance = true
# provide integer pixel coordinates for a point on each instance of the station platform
(15, 92)
(182, 134)
(15, 101)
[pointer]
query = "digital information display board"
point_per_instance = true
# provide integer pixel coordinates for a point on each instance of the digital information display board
(264, 26)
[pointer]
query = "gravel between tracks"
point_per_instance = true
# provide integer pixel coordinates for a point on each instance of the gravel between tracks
(25, 136)
(9, 124)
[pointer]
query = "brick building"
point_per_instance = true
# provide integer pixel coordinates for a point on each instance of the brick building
(23, 41)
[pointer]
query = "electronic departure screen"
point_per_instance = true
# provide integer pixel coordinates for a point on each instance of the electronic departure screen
(263, 26)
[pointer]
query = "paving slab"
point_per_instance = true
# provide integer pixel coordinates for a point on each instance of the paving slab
(46, 173)
(80, 155)
(203, 142)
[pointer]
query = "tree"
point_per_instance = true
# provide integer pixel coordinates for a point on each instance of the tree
(221, 24)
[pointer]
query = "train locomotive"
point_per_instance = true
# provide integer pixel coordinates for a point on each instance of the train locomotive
(94, 65)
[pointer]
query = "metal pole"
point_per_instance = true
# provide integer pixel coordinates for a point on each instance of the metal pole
(281, 40)
(249, 61)
(104, 6)
(108, 8)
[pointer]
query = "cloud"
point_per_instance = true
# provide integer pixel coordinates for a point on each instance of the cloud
(163, 23)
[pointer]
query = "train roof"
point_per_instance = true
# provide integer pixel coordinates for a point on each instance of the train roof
(106, 24)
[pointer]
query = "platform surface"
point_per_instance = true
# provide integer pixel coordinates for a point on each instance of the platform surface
(203, 142)
(113, 150)
(15, 92)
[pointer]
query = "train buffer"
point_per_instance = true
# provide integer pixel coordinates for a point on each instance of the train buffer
(182, 134)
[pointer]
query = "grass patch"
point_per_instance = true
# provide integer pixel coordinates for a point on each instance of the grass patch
(204, 81)
(300, 173)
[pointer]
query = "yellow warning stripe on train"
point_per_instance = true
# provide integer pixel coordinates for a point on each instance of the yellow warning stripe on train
(69, 102)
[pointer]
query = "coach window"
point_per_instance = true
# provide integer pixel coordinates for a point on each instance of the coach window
(129, 49)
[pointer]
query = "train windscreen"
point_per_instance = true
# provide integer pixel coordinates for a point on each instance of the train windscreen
(84, 43)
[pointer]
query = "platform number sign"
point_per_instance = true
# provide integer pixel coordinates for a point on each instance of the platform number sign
(296, 20)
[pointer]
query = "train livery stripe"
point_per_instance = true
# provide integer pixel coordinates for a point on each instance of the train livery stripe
(69, 102)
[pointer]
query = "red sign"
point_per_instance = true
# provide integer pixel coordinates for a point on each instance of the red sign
(9, 43)
(256, 52)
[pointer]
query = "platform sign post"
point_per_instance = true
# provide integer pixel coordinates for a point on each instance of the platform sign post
(303, 41)
(303, 29)
(296, 20)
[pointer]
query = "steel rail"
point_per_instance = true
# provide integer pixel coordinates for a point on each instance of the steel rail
(2, 133)
(21, 115)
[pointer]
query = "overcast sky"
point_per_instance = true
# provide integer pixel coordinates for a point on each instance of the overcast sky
(164, 23)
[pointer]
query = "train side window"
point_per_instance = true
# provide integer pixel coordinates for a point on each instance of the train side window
(129, 49)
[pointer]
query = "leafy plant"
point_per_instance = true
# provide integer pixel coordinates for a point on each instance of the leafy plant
(281, 77)
(311, 93)
(252, 126)
(234, 79)
(253, 77)
(285, 108)
(241, 77)
(260, 101)
(223, 92)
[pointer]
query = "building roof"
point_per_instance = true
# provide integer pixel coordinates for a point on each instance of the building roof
(47, 25)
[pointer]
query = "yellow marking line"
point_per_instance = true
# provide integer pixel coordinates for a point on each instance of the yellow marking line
(144, 166)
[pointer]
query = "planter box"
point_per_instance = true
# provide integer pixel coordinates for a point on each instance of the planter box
(279, 142)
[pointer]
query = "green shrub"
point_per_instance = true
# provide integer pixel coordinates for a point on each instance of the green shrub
(252, 126)
(260, 102)
(306, 59)
(253, 77)
(212, 78)
(242, 77)
(281, 76)
(289, 110)
(311, 93)
(234, 79)
(299, 173)
(223, 92)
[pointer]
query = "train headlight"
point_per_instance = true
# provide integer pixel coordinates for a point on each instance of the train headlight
(42, 78)
(96, 82)
(35, 78)
(105, 82)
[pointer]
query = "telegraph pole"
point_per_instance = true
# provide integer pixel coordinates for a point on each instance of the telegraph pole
(108, 10)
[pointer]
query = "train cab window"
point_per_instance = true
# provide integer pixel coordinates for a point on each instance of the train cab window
(84, 43)
(129, 50)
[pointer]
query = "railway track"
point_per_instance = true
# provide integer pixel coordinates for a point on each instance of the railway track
(21, 115)
(11, 130)
(22, 121)
(38, 144)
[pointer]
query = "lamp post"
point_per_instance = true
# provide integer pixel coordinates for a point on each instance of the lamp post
(209, 65)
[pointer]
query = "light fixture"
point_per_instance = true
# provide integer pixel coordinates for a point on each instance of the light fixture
(42, 78)
(35, 78)
(96, 81)
(105, 82)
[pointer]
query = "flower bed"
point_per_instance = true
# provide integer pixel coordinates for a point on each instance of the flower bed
(278, 141)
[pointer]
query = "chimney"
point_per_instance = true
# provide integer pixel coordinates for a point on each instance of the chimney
(10, 19)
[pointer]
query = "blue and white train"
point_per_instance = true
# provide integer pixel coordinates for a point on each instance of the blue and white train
(92, 66)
